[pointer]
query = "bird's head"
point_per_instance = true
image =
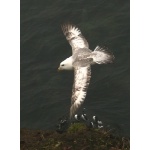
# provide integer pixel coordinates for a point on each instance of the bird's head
(66, 64)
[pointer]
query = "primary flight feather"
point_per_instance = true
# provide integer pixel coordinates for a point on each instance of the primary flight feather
(81, 60)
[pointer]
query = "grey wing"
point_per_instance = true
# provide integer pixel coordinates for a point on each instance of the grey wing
(74, 37)
(82, 77)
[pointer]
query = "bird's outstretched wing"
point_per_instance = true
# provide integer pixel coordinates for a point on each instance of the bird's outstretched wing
(74, 37)
(82, 77)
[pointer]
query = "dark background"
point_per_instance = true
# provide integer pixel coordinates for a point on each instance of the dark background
(45, 93)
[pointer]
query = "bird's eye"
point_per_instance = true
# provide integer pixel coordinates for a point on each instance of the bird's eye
(62, 65)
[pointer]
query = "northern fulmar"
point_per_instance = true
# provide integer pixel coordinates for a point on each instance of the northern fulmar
(81, 60)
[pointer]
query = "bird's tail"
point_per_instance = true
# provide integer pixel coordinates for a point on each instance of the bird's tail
(102, 56)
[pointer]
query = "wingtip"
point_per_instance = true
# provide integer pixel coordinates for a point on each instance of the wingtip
(73, 110)
(66, 26)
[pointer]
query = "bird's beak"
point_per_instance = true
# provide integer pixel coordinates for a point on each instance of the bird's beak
(58, 69)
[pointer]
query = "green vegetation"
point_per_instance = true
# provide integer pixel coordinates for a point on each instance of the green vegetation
(77, 127)
(77, 137)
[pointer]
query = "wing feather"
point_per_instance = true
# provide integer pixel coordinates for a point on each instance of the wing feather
(74, 37)
(82, 77)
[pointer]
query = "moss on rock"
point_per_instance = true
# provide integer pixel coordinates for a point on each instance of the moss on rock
(77, 137)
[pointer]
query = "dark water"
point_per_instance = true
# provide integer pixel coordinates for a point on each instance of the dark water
(45, 93)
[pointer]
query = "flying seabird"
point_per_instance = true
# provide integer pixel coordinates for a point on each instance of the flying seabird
(81, 60)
